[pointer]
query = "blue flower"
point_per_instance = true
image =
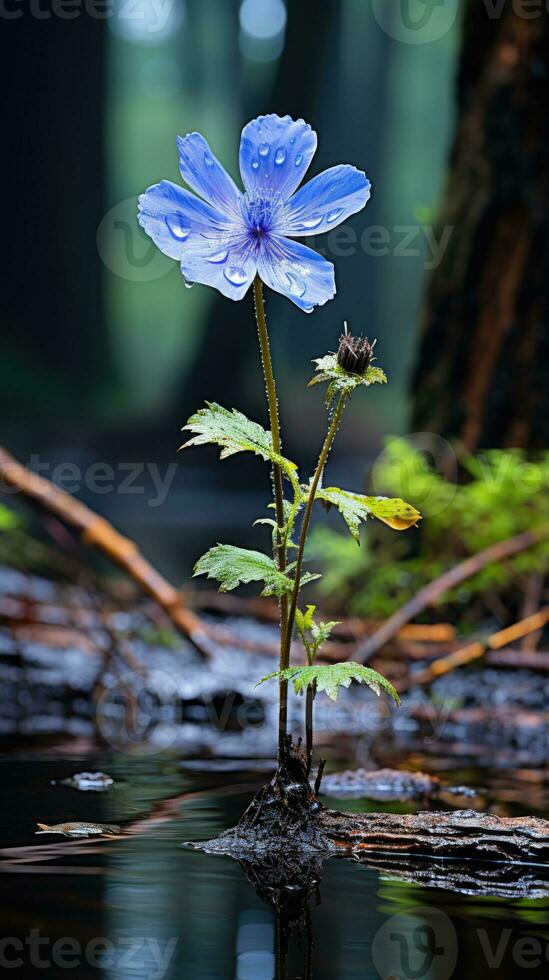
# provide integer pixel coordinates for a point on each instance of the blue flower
(224, 237)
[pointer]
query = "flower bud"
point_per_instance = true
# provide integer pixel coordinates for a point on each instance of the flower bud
(354, 354)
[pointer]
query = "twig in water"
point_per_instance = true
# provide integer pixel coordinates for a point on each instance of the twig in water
(428, 595)
(96, 531)
(473, 651)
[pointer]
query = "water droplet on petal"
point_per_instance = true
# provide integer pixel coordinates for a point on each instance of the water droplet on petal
(208, 160)
(308, 309)
(266, 176)
(235, 275)
(280, 157)
(292, 140)
(296, 285)
(334, 215)
(188, 283)
(299, 159)
(312, 222)
(255, 165)
(264, 149)
(218, 257)
(178, 228)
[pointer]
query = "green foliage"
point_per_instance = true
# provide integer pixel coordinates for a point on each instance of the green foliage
(331, 677)
(503, 494)
(341, 381)
(290, 513)
(312, 634)
(232, 566)
(235, 433)
(355, 508)
(8, 520)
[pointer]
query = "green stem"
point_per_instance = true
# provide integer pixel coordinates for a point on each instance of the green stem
(322, 459)
(280, 550)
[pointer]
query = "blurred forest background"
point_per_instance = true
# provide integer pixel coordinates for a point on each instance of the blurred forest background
(105, 353)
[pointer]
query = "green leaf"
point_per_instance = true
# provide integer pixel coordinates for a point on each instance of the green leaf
(342, 381)
(331, 677)
(235, 433)
(232, 566)
(229, 429)
(355, 508)
(304, 620)
(320, 632)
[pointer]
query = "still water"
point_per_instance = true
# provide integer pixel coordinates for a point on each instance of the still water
(143, 907)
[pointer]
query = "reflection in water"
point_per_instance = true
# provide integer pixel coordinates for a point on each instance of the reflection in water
(145, 908)
(288, 891)
(255, 939)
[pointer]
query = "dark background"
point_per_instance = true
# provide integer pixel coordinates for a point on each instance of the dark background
(104, 352)
(100, 335)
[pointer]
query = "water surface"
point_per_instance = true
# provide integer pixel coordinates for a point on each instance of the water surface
(144, 907)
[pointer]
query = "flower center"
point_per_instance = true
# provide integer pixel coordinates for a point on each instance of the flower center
(260, 214)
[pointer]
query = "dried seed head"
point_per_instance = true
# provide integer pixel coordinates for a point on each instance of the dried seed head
(354, 354)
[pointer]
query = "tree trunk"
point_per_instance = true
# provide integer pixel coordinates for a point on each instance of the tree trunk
(54, 347)
(482, 370)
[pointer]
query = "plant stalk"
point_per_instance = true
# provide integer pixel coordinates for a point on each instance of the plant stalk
(280, 550)
(309, 708)
(322, 459)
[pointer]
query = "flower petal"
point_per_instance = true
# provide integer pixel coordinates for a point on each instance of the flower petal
(177, 220)
(275, 153)
(297, 272)
(202, 171)
(325, 201)
(230, 269)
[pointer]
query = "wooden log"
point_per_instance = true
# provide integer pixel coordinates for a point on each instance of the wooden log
(461, 834)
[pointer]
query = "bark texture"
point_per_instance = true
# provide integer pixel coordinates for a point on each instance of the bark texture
(285, 823)
(482, 374)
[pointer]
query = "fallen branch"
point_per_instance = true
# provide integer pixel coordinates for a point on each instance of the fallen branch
(351, 628)
(473, 651)
(463, 834)
(285, 821)
(97, 532)
(431, 593)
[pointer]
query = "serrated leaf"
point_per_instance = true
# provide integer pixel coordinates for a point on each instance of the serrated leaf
(342, 381)
(232, 566)
(235, 433)
(231, 430)
(320, 632)
(330, 677)
(356, 507)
